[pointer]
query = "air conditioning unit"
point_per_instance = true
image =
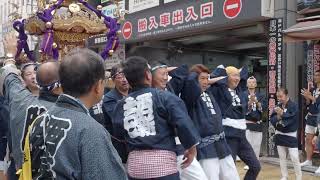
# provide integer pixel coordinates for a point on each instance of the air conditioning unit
(307, 2)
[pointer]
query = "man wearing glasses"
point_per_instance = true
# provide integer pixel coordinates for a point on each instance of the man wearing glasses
(109, 102)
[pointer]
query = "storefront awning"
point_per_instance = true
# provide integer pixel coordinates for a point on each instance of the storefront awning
(303, 31)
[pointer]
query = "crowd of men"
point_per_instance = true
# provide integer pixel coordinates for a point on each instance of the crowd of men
(158, 122)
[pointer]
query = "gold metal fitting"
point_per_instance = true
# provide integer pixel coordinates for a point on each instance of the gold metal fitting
(54, 45)
(48, 25)
(99, 7)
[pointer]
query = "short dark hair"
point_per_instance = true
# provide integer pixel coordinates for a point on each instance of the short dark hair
(156, 65)
(134, 69)
(24, 67)
(114, 70)
(282, 89)
(199, 68)
(80, 69)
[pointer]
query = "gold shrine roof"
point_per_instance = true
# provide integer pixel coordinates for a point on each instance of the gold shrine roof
(84, 21)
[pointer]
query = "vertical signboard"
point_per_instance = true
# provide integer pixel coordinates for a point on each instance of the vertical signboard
(313, 62)
(316, 58)
(310, 63)
(274, 74)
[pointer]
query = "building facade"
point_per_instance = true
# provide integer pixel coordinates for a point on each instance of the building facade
(23, 7)
(229, 32)
(237, 33)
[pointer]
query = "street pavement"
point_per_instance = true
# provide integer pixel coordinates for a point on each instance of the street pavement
(272, 172)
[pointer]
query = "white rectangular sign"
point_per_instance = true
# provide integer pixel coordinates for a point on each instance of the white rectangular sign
(116, 58)
(103, 1)
(138, 5)
(167, 1)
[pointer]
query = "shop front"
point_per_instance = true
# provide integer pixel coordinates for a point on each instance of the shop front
(214, 32)
(228, 32)
(209, 32)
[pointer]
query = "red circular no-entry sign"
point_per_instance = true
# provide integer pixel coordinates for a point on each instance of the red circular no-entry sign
(232, 8)
(127, 30)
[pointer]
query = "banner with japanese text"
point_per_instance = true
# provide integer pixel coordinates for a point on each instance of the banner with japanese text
(171, 19)
(313, 61)
(275, 53)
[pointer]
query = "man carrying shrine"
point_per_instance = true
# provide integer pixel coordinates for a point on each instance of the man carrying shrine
(160, 79)
(149, 119)
(228, 92)
(214, 153)
(24, 107)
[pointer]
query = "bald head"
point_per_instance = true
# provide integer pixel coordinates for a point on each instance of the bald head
(48, 73)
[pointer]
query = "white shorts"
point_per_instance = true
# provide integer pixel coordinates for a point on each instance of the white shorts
(192, 172)
(310, 129)
(220, 169)
(2, 165)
